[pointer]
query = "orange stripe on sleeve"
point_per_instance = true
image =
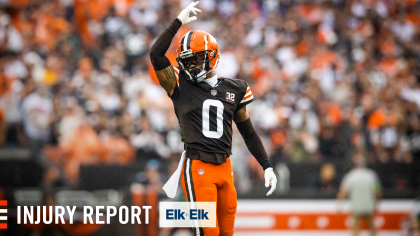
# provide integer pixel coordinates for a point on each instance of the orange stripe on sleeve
(245, 98)
(3, 203)
(176, 75)
(248, 91)
(3, 226)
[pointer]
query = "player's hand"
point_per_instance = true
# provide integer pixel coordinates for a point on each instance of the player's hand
(270, 179)
(184, 16)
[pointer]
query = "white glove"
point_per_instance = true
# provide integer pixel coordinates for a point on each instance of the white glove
(270, 179)
(184, 16)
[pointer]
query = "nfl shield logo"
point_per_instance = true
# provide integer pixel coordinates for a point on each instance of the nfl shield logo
(214, 92)
(201, 172)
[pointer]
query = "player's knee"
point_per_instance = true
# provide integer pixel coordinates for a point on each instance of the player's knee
(232, 202)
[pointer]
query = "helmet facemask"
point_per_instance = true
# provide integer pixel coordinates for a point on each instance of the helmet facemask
(189, 63)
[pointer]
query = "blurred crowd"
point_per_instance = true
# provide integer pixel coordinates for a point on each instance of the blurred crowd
(330, 78)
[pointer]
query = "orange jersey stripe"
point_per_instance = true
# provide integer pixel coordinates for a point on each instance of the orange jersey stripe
(176, 76)
(3, 203)
(3, 226)
(248, 91)
(245, 98)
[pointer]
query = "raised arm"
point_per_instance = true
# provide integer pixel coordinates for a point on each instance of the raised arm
(161, 64)
(255, 146)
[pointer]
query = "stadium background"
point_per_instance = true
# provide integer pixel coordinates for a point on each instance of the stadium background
(83, 120)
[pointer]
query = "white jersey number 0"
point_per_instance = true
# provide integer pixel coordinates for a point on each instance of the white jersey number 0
(206, 118)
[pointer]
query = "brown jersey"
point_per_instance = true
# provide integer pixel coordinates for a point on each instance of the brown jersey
(205, 115)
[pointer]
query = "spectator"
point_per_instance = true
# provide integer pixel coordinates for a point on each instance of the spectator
(120, 152)
(10, 37)
(37, 112)
(151, 177)
(413, 136)
(364, 190)
(82, 147)
(327, 179)
(72, 119)
(148, 142)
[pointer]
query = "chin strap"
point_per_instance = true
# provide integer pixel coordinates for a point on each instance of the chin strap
(199, 77)
(202, 75)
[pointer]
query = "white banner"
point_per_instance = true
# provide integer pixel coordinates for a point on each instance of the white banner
(318, 217)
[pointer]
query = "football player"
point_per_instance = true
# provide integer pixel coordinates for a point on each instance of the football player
(205, 106)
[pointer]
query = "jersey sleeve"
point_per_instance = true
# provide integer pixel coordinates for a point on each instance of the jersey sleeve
(246, 99)
(176, 70)
(175, 93)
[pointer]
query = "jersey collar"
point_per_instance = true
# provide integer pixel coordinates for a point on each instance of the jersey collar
(212, 81)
